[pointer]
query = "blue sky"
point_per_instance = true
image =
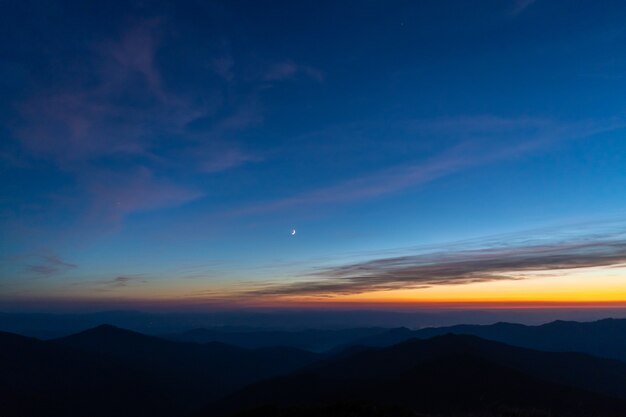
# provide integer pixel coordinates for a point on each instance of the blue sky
(155, 147)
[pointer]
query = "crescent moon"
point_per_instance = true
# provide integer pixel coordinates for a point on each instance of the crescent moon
(293, 232)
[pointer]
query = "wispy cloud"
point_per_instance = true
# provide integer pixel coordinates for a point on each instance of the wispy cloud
(229, 158)
(124, 108)
(47, 264)
(107, 129)
(442, 266)
(113, 195)
(223, 66)
(134, 53)
(520, 5)
(75, 122)
(480, 140)
(120, 281)
(288, 69)
(113, 284)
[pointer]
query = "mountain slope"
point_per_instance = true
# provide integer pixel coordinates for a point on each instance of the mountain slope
(449, 374)
(311, 339)
(42, 379)
(199, 371)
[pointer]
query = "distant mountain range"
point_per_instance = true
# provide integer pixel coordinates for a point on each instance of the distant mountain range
(311, 339)
(50, 325)
(109, 371)
(606, 338)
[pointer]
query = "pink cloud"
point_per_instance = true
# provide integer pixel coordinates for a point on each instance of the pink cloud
(281, 71)
(75, 124)
(71, 127)
(223, 66)
(288, 69)
(520, 5)
(114, 195)
(134, 53)
(227, 159)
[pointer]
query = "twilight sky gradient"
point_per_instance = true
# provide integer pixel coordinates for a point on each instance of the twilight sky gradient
(453, 152)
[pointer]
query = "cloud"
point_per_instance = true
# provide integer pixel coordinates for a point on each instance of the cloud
(120, 281)
(116, 283)
(121, 108)
(480, 140)
(223, 66)
(228, 158)
(79, 121)
(520, 5)
(366, 187)
(114, 195)
(49, 264)
(494, 262)
(288, 69)
(119, 122)
(134, 53)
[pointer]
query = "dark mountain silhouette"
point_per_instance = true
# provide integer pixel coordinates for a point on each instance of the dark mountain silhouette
(109, 371)
(606, 338)
(200, 372)
(450, 374)
(341, 409)
(316, 340)
(368, 409)
(42, 379)
(50, 326)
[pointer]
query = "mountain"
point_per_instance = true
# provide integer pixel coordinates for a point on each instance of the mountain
(450, 374)
(340, 409)
(42, 379)
(200, 372)
(108, 371)
(50, 326)
(316, 340)
(606, 338)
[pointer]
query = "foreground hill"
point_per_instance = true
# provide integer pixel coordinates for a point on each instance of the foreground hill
(41, 379)
(107, 371)
(200, 372)
(606, 338)
(449, 374)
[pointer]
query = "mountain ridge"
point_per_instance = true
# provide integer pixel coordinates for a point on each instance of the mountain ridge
(428, 375)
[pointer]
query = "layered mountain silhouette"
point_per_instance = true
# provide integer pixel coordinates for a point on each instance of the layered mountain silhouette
(310, 339)
(109, 371)
(605, 338)
(200, 372)
(450, 375)
(43, 379)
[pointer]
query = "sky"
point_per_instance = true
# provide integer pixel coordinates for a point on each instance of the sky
(312, 154)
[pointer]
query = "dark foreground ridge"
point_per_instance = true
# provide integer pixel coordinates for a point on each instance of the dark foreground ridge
(449, 374)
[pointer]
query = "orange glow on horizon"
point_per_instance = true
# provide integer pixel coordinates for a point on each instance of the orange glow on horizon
(582, 288)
